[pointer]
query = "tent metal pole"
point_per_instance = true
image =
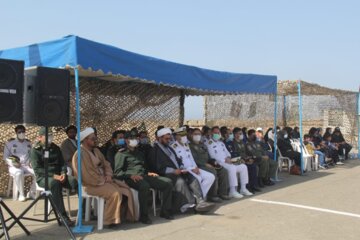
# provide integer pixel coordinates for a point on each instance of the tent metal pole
(284, 111)
(300, 126)
(275, 123)
(182, 108)
(358, 122)
(79, 228)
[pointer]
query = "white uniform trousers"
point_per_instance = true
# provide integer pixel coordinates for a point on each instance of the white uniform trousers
(206, 180)
(18, 174)
(233, 170)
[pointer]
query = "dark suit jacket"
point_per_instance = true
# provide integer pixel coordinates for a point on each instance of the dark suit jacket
(159, 161)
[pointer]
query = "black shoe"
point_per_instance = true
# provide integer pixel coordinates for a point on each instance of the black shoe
(215, 199)
(225, 197)
(145, 220)
(112, 226)
(256, 189)
(203, 207)
(166, 216)
(261, 183)
(269, 183)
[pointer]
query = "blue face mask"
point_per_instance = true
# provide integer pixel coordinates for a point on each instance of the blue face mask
(121, 141)
(216, 136)
(231, 137)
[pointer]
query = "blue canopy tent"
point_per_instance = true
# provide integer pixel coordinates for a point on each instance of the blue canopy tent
(88, 58)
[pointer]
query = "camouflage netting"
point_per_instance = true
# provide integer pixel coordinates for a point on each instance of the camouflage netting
(322, 107)
(109, 106)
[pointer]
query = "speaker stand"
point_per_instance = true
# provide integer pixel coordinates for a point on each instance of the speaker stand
(13, 217)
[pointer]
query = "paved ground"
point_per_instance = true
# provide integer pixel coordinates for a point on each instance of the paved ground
(320, 205)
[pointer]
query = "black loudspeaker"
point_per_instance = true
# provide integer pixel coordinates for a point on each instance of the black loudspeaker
(11, 90)
(46, 96)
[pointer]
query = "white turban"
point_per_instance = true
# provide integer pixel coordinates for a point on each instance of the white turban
(163, 132)
(86, 132)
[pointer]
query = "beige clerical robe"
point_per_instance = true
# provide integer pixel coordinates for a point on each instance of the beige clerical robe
(94, 169)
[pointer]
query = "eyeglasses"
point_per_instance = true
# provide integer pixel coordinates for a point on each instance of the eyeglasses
(20, 131)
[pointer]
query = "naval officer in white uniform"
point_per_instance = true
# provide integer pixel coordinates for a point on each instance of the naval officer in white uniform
(182, 149)
(217, 150)
(16, 155)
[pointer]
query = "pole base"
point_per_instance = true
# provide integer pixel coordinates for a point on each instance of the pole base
(83, 229)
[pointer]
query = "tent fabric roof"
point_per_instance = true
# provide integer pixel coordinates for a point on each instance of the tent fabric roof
(111, 63)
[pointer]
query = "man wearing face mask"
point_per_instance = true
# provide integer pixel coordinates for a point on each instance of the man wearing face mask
(130, 166)
(267, 167)
(20, 147)
(217, 150)
(57, 169)
(182, 149)
(118, 145)
(237, 149)
(165, 162)
(219, 189)
(69, 146)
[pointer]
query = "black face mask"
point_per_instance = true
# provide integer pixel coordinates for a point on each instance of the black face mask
(253, 138)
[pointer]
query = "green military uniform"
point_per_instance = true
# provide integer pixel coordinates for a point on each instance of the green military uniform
(267, 167)
(129, 163)
(201, 156)
(56, 165)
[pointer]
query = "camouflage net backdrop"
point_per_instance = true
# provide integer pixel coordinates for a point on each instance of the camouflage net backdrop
(322, 107)
(108, 106)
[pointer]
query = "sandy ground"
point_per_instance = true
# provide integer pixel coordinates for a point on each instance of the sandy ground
(319, 205)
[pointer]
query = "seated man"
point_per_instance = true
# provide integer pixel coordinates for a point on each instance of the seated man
(57, 170)
(343, 147)
(118, 145)
(165, 162)
(219, 189)
(217, 150)
(69, 146)
(237, 149)
(20, 148)
(130, 167)
(182, 150)
(267, 166)
(97, 180)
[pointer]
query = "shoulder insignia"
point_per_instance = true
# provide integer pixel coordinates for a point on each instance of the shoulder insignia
(174, 145)
(210, 141)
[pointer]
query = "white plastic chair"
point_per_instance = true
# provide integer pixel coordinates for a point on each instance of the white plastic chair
(136, 202)
(12, 185)
(99, 208)
(281, 159)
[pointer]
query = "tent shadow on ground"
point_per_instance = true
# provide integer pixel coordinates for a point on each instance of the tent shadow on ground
(48, 231)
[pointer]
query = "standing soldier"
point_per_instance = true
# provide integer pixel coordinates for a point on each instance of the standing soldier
(16, 155)
(57, 171)
(219, 189)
